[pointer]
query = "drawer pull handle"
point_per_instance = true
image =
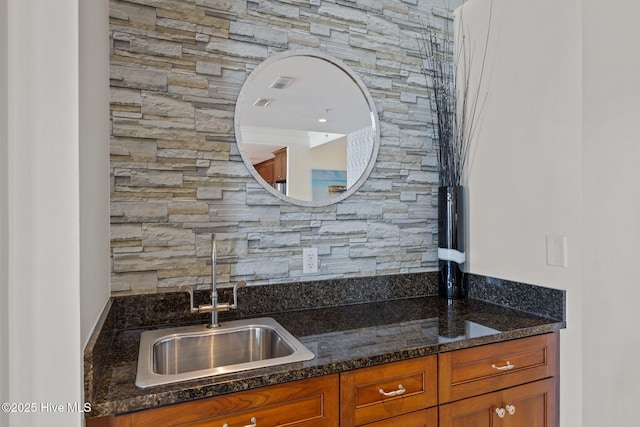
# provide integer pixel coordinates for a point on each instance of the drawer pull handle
(503, 368)
(511, 409)
(501, 412)
(253, 422)
(397, 392)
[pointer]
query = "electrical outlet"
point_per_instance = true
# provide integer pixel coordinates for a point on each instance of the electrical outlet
(309, 260)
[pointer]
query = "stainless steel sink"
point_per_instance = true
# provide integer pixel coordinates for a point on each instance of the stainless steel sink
(190, 352)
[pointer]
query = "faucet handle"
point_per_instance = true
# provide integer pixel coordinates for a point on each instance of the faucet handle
(238, 285)
(188, 289)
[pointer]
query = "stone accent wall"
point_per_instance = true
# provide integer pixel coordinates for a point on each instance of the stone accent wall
(177, 67)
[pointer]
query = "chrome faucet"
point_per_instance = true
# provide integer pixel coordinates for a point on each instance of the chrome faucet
(214, 284)
(215, 307)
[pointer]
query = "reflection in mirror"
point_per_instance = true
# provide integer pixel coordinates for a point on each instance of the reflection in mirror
(307, 128)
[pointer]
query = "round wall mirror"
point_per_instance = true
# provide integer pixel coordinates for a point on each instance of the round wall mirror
(307, 128)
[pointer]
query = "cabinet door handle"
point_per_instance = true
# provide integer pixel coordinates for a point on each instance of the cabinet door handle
(503, 368)
(253, 422)
(397, 392)
(510, 409)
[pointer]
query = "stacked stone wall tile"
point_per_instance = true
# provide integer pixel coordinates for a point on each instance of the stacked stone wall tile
(177, 67)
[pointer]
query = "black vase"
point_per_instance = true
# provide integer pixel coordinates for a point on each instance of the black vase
(451, 243)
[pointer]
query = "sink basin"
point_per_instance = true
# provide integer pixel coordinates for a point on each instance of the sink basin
(190, 352)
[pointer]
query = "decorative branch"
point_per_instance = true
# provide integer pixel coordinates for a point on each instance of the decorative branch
(456, 108)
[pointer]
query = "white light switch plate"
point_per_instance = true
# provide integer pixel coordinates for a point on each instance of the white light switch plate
(557, 251)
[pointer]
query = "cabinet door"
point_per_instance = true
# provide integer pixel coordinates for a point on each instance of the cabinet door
(280, 165)
(529, 405)
(532, 405)
(265, 169)
(473, 412)
(308, 403)
(304, 412)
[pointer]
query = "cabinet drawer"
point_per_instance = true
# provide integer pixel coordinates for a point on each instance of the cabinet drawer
(308, 403)
(424, 418)
(473, 371)
(384, 391)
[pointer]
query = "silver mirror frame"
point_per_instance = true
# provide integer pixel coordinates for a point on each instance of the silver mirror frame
(370, 103)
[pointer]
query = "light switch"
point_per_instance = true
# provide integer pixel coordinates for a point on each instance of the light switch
(557, 251)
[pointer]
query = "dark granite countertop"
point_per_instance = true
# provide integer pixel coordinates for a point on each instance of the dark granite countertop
(342, 338)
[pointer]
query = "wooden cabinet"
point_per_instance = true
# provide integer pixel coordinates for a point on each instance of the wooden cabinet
(280, 165)
(508, 384)
(386, 391)
(306, 403)
(265, 170)
(529, 405)
(424, 418)
(275, 169)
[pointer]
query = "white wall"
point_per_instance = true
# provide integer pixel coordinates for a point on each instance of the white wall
(611, 155)
(94, 162)
(54, 240)
(297, 173)
(301, 160)
(536, 174)
(525, 180)
(4, 220)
